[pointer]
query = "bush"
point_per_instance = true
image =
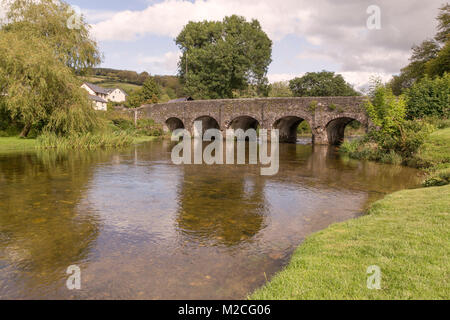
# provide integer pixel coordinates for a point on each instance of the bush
(429, 98)
(149, 128)
(49, 140)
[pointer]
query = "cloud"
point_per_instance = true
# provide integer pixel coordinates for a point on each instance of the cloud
(164, 64)
(336, 30)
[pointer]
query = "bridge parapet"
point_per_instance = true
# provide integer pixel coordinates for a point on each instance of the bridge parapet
(327, 116)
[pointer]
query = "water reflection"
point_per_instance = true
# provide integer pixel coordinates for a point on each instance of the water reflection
(41, 234)
(142, 228)
(220, 210)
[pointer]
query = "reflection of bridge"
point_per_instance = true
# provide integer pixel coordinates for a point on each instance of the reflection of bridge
(327, 116)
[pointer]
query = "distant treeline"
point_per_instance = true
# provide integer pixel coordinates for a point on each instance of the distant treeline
(169, 84)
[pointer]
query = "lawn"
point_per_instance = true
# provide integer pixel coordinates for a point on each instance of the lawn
(406, 234)
(16, 144)
(435, 154)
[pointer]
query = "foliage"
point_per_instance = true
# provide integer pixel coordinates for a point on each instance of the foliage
(440, 64)
(49, 140)
(321, 84)
(220, 57)
(410, 225)
(39, 90)
(47, 20)
(394, 140)
(149, 93)
(443, 19)
(280, 89)
(429, 98)
(385, 110)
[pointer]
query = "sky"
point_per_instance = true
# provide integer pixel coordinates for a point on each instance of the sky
(308, 36)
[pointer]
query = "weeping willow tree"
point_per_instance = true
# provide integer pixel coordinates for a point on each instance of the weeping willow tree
(39, 58)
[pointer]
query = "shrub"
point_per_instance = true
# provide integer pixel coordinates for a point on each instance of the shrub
(149, 128)
(429, 97)
(49, 140)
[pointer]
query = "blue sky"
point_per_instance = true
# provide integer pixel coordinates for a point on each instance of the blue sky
(308, 35)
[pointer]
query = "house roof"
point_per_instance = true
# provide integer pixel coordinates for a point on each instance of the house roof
(97, 99)
(96, 89)
(181, 99)
(111, 90)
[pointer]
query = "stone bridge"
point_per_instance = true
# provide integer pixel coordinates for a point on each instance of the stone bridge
(327, 116)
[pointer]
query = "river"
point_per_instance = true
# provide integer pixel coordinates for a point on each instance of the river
(140, 227)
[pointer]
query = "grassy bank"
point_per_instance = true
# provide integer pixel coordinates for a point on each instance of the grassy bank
(14, 144)
(406, 235)
(433, 156)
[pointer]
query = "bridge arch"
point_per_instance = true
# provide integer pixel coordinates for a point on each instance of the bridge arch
(208, 122)
(174, 123)
(288, 126)
(244, 123)
(336, 129)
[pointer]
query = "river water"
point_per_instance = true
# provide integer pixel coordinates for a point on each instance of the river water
(140, 227)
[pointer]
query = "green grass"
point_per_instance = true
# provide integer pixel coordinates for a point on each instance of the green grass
(406, 234)
(434, 154)
(8, 144)
(436, 149)
(15, 144)
(112, 83)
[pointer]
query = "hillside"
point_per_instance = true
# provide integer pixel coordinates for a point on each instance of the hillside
(130, 81)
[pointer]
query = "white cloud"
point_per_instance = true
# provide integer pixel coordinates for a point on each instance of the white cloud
(337, 28)
(164, 64)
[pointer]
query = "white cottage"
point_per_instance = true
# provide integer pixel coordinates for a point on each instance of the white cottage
(116, 95)
(100, 96)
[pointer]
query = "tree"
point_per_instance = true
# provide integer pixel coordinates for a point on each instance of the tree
(39, 90)
(280, 89)
(48, 20)
(220, 57)
(429, 97)
(441, 64)
(443, 18)
(321, 84)
(150, 91)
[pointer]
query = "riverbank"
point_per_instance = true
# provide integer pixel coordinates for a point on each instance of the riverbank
(16, 144)
(406, 235)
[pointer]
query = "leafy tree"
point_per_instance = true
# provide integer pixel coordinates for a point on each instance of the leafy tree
(440, 64)
(48, 20)
(39, 90)
(280, 89)
(443, 18)
(321, 84)
(386, 111)
(220, 57)
(151, 91)
(429, 97)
